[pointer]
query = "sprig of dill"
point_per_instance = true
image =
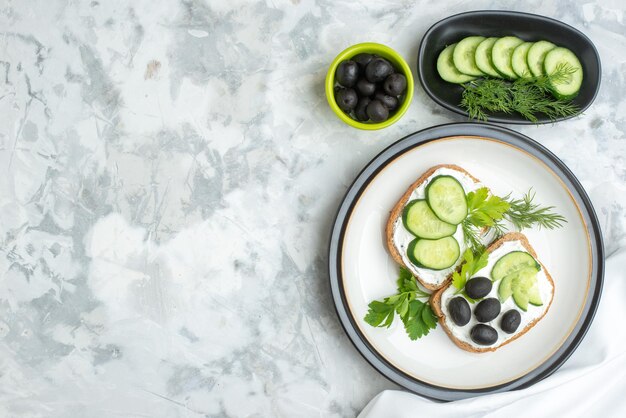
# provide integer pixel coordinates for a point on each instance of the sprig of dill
(527, 96)
(487, 213)
(523, 213)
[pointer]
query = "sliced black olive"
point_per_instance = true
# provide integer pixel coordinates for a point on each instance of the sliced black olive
(459, 310)
(347, 73)
(346, 99)
(377, 111)
(487, 310)
(510, 321)
(395, 84)
(483, 334)
(478, 287)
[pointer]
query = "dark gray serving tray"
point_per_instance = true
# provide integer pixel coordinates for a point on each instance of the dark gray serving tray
(526, 26)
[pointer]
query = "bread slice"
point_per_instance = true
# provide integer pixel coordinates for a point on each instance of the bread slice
(396, 214)
(435, 299)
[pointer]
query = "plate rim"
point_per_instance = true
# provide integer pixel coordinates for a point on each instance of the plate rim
(414, 140)
(500, 119)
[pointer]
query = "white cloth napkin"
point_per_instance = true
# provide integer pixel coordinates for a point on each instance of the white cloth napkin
(591, 383)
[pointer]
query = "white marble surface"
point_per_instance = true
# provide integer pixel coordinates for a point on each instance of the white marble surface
(170, 174)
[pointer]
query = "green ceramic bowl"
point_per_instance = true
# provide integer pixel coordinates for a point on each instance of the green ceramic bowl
(398, 62)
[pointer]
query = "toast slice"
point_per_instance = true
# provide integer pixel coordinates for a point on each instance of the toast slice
(466, 343)
(395, 221)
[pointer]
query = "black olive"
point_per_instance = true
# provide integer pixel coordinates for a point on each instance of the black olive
(483, 334)
(360, 111)
(510, 321)
(395, 84)
(378, 69)
(347, 73)
(346, 99)
(487, 310)
(478, 287)
(365, 88)
(460, 312)
(377, 111)
(390, 102)
(362, 59)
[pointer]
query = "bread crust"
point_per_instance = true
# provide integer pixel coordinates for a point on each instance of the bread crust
(435, 299)
(397, 212)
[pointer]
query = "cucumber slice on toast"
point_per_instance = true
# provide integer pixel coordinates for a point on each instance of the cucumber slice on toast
(434, 254)
(447, 70)
(421, 221)
(534, 296)
(446, 198)
(501, 55)
(464, 53)
(511, 263)
(505, 290)
(521, 300)
(522, 285)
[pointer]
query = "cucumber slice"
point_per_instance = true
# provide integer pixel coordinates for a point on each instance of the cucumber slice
(446, 198)
(511, 283)
(501, 55)
(536, 55)
(421, 221)
(518, 60)
(447, 70)
(434, 254)
(521, 300)
(534, 296)
(523, 284)
(505, 290)
(511, 263)
(569, 87)
(463, 55)
(483, 57)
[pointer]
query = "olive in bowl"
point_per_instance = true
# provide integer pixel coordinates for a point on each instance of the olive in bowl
(381, 81)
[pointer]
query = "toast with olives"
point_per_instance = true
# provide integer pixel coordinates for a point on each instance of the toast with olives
(463, 337)
(396, 221)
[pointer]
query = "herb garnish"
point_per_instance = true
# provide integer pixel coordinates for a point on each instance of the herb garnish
(527, 96)
(523, 213)
(490, 211)
(473, 262)
(417, 316)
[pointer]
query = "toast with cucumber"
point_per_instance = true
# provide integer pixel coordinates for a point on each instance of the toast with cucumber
(501, 301)
(423, 232)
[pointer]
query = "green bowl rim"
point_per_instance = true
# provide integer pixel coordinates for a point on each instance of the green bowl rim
(370, 47)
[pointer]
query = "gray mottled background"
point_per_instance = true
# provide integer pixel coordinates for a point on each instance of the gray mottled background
(170, 171)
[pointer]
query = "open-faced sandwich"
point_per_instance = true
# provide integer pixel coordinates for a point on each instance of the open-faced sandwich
(448, 232)
(423, 232)
(500, 301)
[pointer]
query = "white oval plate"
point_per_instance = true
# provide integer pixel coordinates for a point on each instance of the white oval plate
(365, 271)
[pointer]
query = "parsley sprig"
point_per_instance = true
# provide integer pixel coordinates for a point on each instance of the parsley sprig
(472, 263)
(416, 315)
